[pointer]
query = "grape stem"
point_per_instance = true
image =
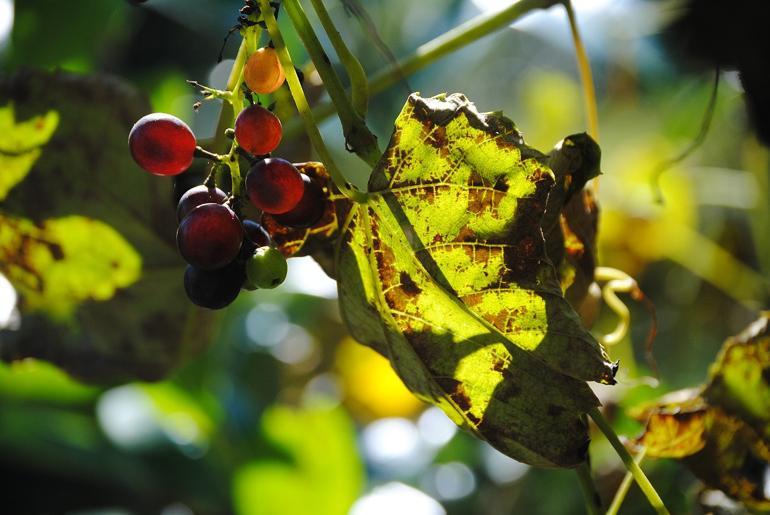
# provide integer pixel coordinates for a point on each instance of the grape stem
(230, 105)
(592, 499)
(633, 467)
(359, 83)
(358, 138)
(437, 48)
(584, 69)
(202, 152)
(625, 485)
(302, 106)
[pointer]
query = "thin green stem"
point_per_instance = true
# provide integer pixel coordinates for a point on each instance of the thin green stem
(625, 485)
(644, 484)
(359, 83)
(592, 499)
(230, 108)
(439, 47)
(586, 77)
(358, 137)
(302, 106)
(227, 114)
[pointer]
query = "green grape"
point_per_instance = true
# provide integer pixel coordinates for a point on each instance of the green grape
(266, 268)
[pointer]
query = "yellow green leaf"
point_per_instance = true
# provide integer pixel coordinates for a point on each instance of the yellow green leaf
(62, 262)
(740, 377)
(444, 271)
(20, 144)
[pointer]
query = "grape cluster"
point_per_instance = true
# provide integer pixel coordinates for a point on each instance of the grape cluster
(225, 251)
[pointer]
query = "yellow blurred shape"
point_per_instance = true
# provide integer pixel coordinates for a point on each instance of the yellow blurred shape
(371, 387)
(552, 108)
(636, 228)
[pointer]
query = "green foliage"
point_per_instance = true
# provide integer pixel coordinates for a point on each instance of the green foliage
(321, 469)
(444, 271)
(87, 238)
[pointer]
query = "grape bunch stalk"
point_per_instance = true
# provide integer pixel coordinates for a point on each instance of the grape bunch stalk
(226, 251)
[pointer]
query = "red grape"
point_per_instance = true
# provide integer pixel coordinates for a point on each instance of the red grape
(214, 289)
(257, 130)
(162, 144)
(308, 211)
(210, 236)
(196, 196)
(274, 185)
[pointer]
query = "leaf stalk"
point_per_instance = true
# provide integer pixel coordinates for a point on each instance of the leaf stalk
(632, 466)
(358, 137)
(592, 500)
(302, 105)
(437, 48)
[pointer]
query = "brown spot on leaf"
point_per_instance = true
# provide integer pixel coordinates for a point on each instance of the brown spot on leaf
(456, 391)
(766, 375)
(408, 285)
(56, 251)
(437, 137)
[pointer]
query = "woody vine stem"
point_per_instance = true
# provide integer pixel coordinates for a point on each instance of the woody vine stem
(352, 109)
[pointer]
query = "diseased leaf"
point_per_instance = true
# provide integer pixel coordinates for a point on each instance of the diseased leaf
(579, 223)
(740, 377)
(444, 271)
(20, 145)
(676, 426)
(720, 430)
(121, 325)
(62, 262)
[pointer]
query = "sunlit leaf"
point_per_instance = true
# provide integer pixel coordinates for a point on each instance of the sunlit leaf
(20, 144)
(444, 271)
(321, 473)
(62, 262)
(676, 426)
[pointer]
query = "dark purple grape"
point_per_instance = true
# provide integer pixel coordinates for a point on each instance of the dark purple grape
(274, 185)
(257, 130)
(256, 236)
(162, 144)
(308, 211)
(196, 196)
(214, 289)
(210, 236)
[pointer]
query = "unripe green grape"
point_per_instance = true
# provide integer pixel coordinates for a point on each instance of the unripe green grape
(266, 268)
